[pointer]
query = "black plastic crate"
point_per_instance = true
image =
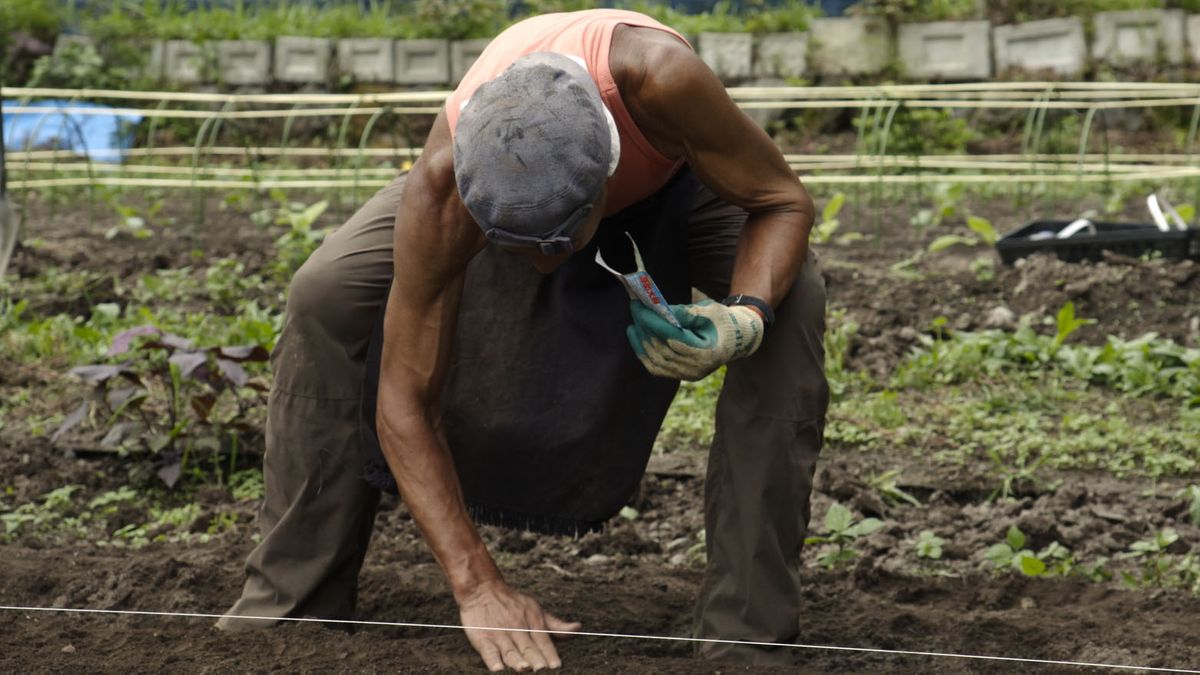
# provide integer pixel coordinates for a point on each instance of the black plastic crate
(1131, 239)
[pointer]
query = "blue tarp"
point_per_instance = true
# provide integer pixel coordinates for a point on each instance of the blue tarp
(98, 136)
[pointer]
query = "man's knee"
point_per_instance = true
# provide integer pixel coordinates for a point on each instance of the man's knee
(313, 292)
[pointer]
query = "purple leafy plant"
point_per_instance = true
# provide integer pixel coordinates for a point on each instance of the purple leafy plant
(184, 399)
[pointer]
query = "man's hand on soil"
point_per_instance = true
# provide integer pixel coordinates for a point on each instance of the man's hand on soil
(712, 335)
(496, 605)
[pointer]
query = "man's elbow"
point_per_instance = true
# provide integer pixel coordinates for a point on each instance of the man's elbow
(806, 210)
(403, 415)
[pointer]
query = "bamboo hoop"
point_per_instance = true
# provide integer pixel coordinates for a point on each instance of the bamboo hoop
(1160, 174)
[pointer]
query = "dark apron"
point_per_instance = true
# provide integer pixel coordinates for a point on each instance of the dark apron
(549, 415)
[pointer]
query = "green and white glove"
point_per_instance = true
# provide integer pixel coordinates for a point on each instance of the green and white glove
(713, 335)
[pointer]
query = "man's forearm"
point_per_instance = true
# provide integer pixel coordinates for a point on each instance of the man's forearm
(429, 485)
(770, 251)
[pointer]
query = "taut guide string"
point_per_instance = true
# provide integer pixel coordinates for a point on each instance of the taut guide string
(627, 636)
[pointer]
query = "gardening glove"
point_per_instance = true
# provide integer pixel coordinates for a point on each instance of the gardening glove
(712, 335)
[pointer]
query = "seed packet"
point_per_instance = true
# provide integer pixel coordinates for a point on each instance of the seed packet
(640, 286)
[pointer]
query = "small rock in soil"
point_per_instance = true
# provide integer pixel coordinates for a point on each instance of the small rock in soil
(597, 559)
(69, 649)
(1000, 317)
(676, 544)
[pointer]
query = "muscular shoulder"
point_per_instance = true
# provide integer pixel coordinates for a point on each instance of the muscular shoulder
(432, 216)
(659, 77)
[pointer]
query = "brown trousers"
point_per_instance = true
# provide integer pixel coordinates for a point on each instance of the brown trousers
(318, 512)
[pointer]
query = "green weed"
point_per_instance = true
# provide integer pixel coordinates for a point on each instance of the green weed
(929, 545)
(841, 532)
(1191, 496)
(829, 224)
(885, 485)
(1054, 560)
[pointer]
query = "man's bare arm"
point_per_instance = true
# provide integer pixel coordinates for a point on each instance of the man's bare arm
(684, 111)
(432, 248)
(435, 239)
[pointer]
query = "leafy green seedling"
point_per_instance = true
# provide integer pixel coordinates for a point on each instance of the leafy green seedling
(829, 224)
(1156, 564)
(1020, 474)
(1067, 323)
(842, 532)
(929, 545)
(1011, 553)
(947, 240)
(247, 485)
(33, 516)
(1053, 560)
(885, 485)
(984, 233)
(1191, 494)
(983, 228)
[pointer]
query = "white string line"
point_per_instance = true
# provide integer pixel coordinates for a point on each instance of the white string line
(628, 636)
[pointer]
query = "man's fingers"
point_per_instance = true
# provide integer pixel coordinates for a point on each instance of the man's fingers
(529, 649)
(491, 655)
(544, 644)
(514, 659)
(556, 624)
(650, 322)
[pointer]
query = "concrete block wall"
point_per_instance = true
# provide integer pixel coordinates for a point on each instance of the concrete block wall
(1057, 45)
(946, 50)
(834, 48)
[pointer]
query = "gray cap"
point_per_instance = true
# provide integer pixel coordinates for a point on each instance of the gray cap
(532, 150)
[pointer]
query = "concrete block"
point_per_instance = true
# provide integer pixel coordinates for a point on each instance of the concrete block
(1053, 44)
(948, 50)
(1193, 37)
(301, 60)
(1139, 36)
(850, 46)
(154, 63)
(781, 55)
(462, 55)
(730, 55)
(243, 62)
(367, 59)
(424, 61)
(185, 62)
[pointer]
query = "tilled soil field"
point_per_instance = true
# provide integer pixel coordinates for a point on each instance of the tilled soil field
(635, 578)
(639, 576)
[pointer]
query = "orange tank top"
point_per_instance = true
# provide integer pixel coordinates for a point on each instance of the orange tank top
(588, 35)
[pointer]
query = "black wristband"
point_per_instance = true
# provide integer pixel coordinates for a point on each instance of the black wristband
(750, 301)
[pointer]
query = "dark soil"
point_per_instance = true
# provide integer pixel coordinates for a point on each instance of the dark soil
(635, 578)
(640, 576)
